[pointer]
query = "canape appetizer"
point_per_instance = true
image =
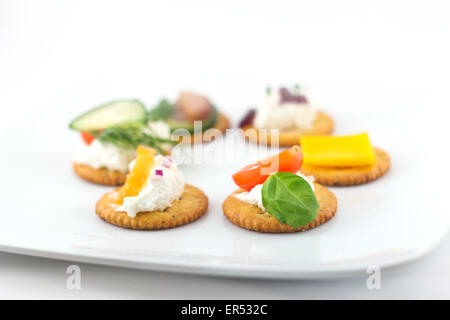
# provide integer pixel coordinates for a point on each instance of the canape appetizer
(275, 197)
(344, 160)
(291, 113)
(112, 133)
(154, 196)
(189, 108)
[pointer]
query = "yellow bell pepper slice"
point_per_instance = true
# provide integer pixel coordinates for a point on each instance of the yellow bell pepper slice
(337, 151)
(137, 178)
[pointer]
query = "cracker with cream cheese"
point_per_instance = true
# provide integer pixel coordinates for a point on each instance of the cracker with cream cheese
(254, 218)
(191, 206)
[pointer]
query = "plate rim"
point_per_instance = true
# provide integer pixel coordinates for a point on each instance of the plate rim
(251, 271)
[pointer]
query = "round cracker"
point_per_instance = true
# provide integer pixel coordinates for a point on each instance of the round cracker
(323, 124)
(333, 176)
(192, 205)
(100, 176)
(254, 218)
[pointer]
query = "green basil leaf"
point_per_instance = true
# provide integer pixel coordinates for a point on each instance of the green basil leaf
(161, 112)
(290, 199)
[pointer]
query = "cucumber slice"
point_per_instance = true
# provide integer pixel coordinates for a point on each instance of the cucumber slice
(110, 114)
(189, 126)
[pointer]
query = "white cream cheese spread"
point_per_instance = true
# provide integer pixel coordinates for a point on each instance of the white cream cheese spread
(274, 114)
(164, 185)
(160, 129)
(105, 155)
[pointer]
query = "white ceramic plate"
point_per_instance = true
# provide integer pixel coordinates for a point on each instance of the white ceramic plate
(48, 211)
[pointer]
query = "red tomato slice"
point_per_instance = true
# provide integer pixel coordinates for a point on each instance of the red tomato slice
(87, 137)
(289, 160)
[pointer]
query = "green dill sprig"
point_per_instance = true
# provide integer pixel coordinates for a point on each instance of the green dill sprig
(133, 135)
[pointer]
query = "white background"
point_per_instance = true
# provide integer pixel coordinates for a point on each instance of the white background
(352, 56)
